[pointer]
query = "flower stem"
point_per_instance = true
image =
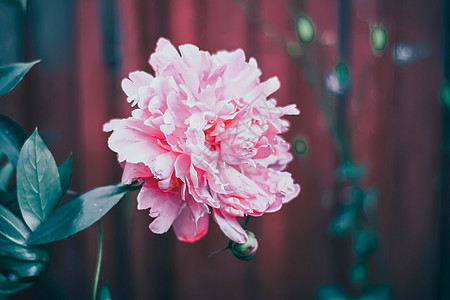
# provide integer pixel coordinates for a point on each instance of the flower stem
(99, 260)
(247, 218)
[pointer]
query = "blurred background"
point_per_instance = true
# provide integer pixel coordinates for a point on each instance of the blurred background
(395, 115)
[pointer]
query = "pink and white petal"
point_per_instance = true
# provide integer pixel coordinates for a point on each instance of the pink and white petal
(292, 194)
(230, 226)
(134, 146)
(164, 206)
(182, 164)
(135, 171)
(130, 90)
(165, 53)
(290, 110)
(141, 78)
(163, 165)
(187, 229)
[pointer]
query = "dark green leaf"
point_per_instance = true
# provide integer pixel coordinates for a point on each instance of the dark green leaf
(21, 268)
(349, 171)
(11, 75)
(6, 197)
(26, 253)
(12, 137)
(344, 221)
(365, 242)
(38, 183)
(65, 173)
(78, 214)
(105, 293)
(14, 208)
(359, 273)
(5, 175)
(330, 292)
(381, 292)
(370, 199)
(8, 287)
(21, 3)
(11, 227)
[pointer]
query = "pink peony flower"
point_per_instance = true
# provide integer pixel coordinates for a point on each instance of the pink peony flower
(204, 139)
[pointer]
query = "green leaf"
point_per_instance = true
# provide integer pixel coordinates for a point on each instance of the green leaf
(370, 200)
(25, 253)
(330, 292)
(380, 292)
(78, 214)
(6, 197)
(20, 268)
(105, 294)
(21, 3)
(365, 242)
(359, 273)
(12, 137)
(12, 74)
(12, 228)
(38, 184)
(349, 171)
(65, 173)
(344, 221)
(9, 287)
(5, 175)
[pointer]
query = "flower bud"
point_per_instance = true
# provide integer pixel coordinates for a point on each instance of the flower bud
(246, 250)
(305, 29)
(378, 38)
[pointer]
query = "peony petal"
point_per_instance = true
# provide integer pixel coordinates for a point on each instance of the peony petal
(230, 226)
(164, 206)
(189, 230)
(163, 165)
(133, 142)
(135, 171)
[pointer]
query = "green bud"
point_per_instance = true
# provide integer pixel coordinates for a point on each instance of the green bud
(342, 73)
(246, 250)
(359, 273)
(300, 146)
(378, 38)
(305, 29)
(445, 95)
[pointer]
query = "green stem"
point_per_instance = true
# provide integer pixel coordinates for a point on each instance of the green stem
(247, 218)
(99, 261)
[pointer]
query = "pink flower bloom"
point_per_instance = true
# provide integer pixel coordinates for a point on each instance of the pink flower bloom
(203, 138)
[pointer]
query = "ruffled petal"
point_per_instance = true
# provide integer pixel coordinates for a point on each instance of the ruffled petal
(230, 226)
(135, 171)
(187, 229)
(164, 206)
